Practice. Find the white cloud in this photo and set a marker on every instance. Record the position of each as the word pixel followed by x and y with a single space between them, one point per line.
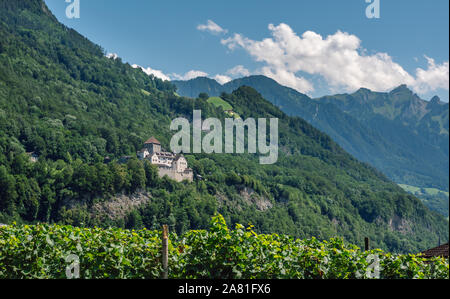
pixel 222 79
pixel 160 74
pixel 338 58
pixel 239 70
pixel 212 27
pixel 112 56
pixel 289 79
pixel 149 71
pixel 434 77
pixel 190 75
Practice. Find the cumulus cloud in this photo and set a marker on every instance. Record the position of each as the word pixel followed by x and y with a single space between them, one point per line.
pixel 190 75
pixel 212 27
pixel 288 79
pixel 434 77
pixel 222 79
pixel 112 56
pixel 239 70
pixel 338 58
pixel 149 71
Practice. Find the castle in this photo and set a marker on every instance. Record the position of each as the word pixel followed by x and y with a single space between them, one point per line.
pixel 173 165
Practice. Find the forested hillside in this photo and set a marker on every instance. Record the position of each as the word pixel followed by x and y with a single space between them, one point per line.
pixel 62 99
pixel 403 118
pixel 398 133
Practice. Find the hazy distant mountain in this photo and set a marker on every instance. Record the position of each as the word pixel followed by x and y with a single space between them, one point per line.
pixel 402 135
pixel 400 107
pixel 418 128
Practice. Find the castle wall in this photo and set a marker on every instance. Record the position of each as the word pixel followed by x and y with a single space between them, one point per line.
pixel 175 167
pixel 153 148
pixel 173 174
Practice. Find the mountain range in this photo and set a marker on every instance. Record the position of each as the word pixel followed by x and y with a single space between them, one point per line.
pixel 77 113
pixel 400 134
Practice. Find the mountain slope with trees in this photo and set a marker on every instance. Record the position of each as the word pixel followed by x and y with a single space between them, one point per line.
pixel 400 134
pixel 401 117
pixel 62 99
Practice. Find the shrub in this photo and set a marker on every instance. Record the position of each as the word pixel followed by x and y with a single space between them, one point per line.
pixel 41 251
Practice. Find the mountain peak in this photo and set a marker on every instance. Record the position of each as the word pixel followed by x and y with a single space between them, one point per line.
pixel 259 79
pixel 435 100
pixel 402 89
pixel 202 78
pixel 363 90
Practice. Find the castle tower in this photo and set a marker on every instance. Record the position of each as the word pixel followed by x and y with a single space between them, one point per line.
pixel 153 145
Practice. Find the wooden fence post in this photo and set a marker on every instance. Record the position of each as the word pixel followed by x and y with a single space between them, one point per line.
pixel 165 252
pixel 366 244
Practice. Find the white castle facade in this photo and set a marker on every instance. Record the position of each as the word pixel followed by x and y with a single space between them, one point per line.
pixel 175 166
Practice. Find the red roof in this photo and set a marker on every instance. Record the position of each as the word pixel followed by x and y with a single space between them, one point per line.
pixel 437 251
pixel 152 140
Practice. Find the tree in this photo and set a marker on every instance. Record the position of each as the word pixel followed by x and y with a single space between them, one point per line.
pixel 20 164
pixel 47 200
pixel 137 175
pixel 119 177
pixel 134 221
pixel 8 193
pixel 203 96
pixel 151 174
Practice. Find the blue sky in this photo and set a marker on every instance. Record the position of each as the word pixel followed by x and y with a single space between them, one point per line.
pixel 317 47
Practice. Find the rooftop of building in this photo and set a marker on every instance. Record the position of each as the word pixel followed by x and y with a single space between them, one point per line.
pixel 441 251
pixel 152 140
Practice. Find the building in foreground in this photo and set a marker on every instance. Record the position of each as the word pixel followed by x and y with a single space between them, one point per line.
pixel 440 251
pixel 175 166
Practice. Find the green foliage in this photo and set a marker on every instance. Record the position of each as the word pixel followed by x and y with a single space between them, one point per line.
pixel 437 200
pixel 41 251
pixel 219 102
pixel 61 98
pixel 204 96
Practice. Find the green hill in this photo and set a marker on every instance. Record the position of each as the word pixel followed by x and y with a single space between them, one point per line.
pixel 435 199
pixel 219 102
pixel 62 99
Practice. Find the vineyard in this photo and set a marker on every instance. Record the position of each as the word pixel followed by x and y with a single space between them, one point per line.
pixel 53 251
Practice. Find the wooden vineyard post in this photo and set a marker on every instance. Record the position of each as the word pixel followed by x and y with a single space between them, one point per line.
pixel 165 252
pixel 366 244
